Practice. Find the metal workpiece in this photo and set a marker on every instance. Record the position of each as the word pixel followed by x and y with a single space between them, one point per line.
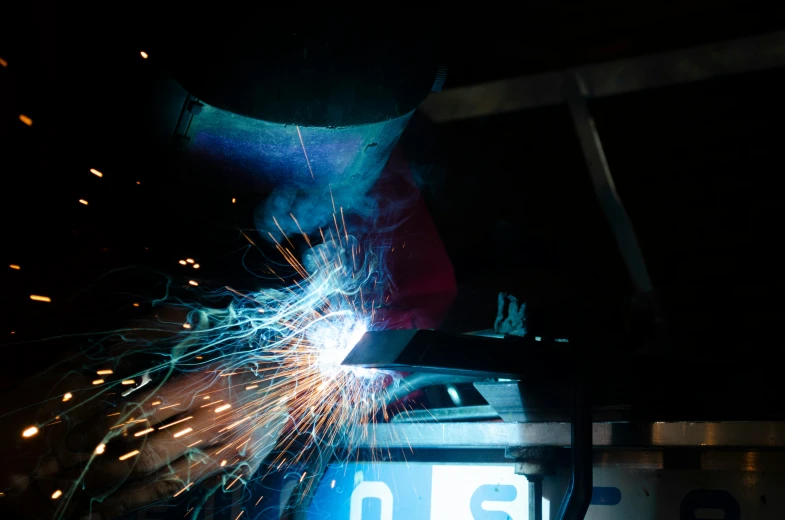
pixel 430 351
pixel 458 413
pixel 498 435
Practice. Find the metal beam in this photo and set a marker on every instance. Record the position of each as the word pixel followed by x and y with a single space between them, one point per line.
pixel 610 78
pixel 738 434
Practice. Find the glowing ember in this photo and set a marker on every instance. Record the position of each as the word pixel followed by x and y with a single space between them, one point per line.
pixel 183 432
pixel 129 455
pixel 26 120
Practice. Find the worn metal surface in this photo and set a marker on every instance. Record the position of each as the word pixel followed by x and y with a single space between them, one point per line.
pixel 741 434
pixel 459 413
pixel 611 78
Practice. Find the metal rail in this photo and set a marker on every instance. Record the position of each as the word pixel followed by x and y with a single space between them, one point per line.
pixel 737 434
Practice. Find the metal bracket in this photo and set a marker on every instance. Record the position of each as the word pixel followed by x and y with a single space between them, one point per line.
pixel 191 108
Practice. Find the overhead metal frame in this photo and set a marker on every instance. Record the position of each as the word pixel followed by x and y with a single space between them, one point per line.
pixel 762 52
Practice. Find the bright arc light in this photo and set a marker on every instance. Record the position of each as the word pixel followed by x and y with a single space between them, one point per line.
pixel 335 346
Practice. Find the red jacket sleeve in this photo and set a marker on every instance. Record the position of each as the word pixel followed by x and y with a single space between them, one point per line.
pixel 423 280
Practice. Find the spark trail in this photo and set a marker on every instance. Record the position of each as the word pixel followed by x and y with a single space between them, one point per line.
pixel 278 353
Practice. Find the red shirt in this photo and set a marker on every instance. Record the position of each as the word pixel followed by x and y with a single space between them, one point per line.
pixel 423 278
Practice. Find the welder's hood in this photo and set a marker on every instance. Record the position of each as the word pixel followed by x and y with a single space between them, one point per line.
pixel 309 70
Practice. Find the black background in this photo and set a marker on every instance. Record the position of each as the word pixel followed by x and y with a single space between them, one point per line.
pixel 697 166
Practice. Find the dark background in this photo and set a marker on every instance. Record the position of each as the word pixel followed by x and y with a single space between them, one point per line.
pixel 697 166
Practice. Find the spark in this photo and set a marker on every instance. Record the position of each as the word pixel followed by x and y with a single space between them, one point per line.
pixel 186 325
pixel 176 422
pixel 98 382
pixel 196 266
pixel 191 282
pixel 26 120
pixel 30 431
pixel 136 305
pixel 100 449
pixel 96 172
pixel 139 183
pixel 82 201
pixel 14 266
pixel 304 152
pixel 129 455
pixel 182 490
pixel 223 463
pixel 332 484
pixel 105 372
pixel 67 396
pixel 144 55
pixel 292 339
pixel 128 382
pixel 189 260
pixel 260 499
pixel 3 63
pixel 241 512
pixel 234 200
pixel 57 494
pixel 37 298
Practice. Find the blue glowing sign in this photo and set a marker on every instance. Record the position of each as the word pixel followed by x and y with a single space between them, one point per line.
pixel 421 492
